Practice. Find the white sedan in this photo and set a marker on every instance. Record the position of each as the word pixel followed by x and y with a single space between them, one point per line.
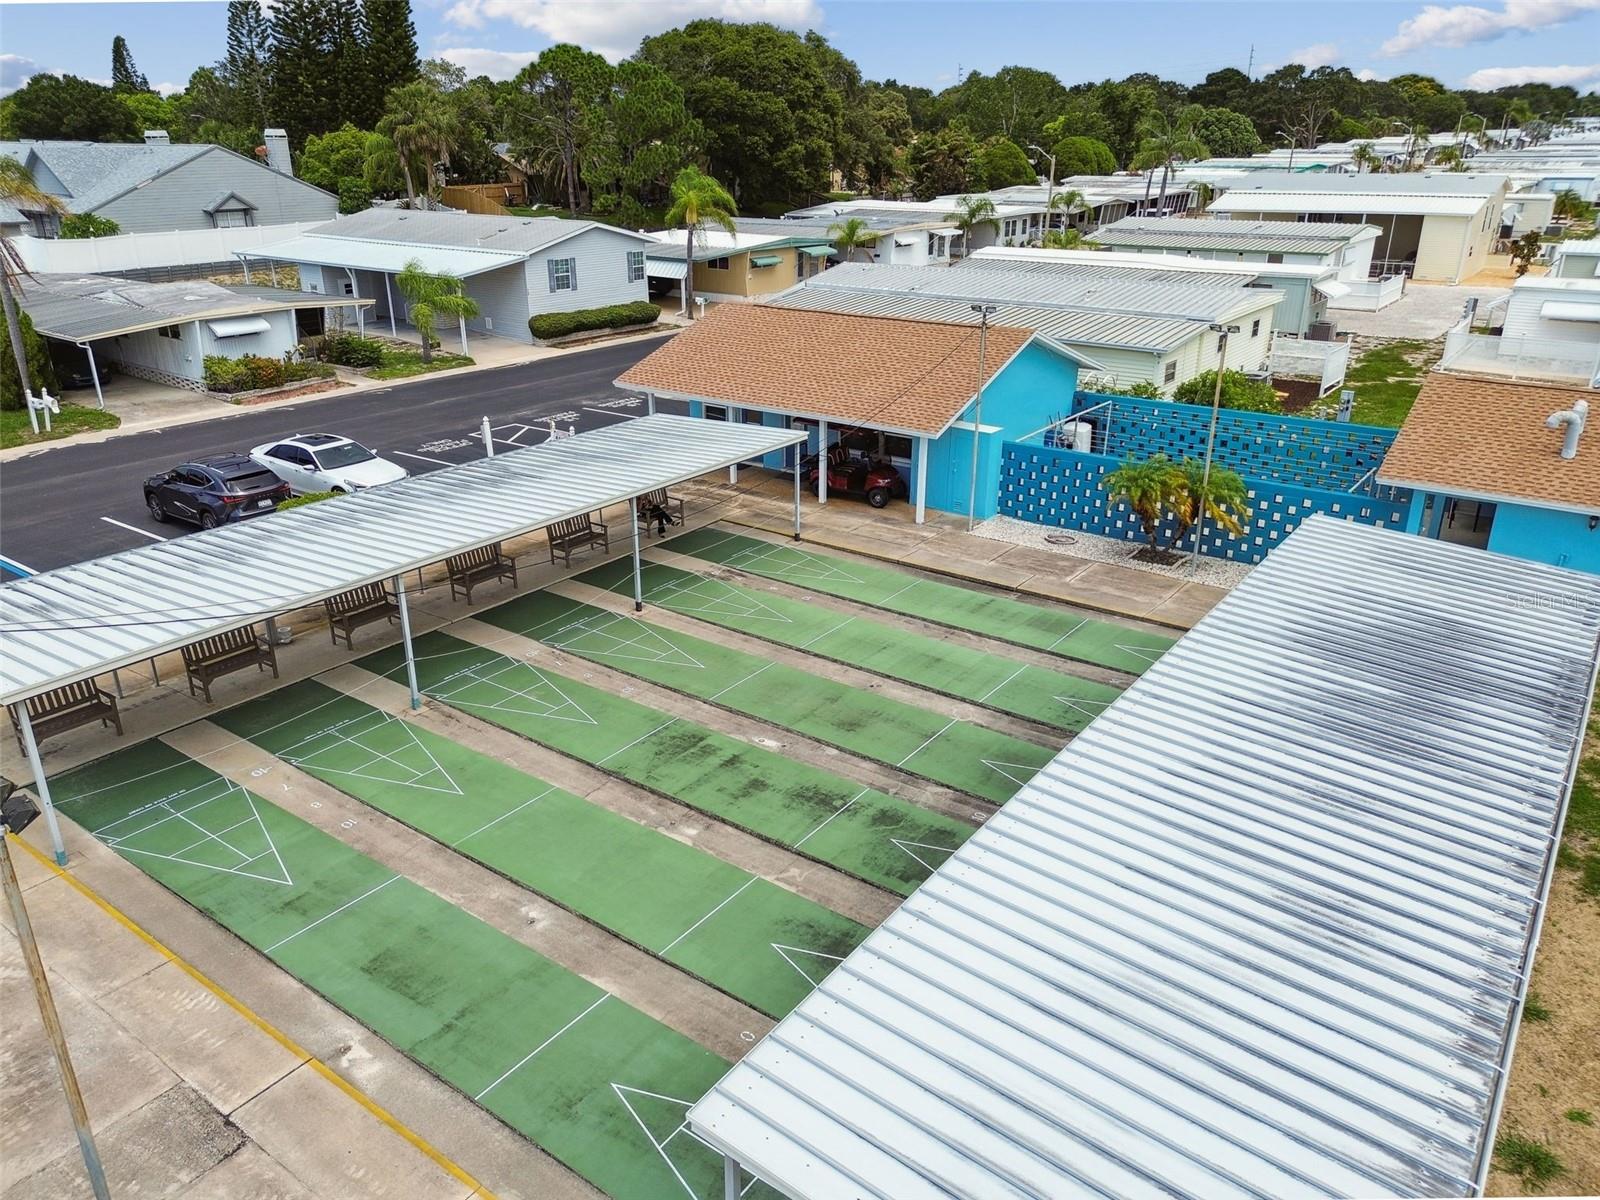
pixel 325 462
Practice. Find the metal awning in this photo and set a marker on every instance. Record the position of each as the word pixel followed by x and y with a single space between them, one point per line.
pixel 358 254
pixel 765 260
pixel 87 619
pixel 816 251
pixel 666 268
pixel 1331 288
pixel 1263 929
pixel 904 241
pixel 1569 310
pixel 239 326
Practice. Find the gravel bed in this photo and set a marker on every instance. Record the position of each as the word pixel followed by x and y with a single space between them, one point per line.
pixel 1214 571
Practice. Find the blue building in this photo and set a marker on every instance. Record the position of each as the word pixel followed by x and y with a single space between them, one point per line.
pixel 1488 470
pixel 906 391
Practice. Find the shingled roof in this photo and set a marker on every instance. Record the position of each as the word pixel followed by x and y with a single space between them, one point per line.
pixel 1486 439
pixel 910 376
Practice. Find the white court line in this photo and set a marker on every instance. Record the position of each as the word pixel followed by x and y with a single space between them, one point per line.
pixel 737 682
pixel 604 997
pixel 513 812
pixel 803 645
pixel 334 913
pixel 443 462
pixel 154 537
pixel 897 591
pixel 1067 634
pixel 926 744
pixel 1002 683
pixel 831 816
pixel 600 762
pixel 708 916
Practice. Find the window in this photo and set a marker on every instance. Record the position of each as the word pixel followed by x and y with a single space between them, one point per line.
pixel 1274 258
pixel 232 218
pixel 44 224
pixel 175 332
pixel 349 288
pixel 715 412
pixel 1170 374
pixel 896 446
pixel 635 265
pixel 752 416
pixel 563 274
pixel 717 264
pixel 1255 327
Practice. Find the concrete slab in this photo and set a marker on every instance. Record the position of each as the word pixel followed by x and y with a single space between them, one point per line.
pixel 338 1149
pixel 95 956
pixel 249 1174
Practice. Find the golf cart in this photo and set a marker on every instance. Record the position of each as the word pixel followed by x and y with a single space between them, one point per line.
pixel 858 473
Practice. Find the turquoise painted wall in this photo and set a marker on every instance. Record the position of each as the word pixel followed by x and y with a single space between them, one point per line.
pixel 1562 539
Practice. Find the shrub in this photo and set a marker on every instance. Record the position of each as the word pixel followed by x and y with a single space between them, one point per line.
pixel 41 371
pixel 305 499
pixel 614 316
pixel 251 373
pixel 348 350
pixel 1143 388
pixel 88 225
pixel 1238 391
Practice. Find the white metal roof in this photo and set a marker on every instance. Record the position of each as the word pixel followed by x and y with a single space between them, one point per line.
pixel 1262 930
pixel 361 254
pixel 1178 266
pixel 91 617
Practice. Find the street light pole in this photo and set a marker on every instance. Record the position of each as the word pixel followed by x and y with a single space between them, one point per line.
pixel 1050 187
pixel 1211 440
pixel 16 813
pixel 984 311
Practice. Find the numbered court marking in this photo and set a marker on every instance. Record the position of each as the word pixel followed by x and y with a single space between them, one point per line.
pixel 927 852
pixel 539 698
pixel 214 826
pixel 792 564
pixel 633 641
pixel 389 748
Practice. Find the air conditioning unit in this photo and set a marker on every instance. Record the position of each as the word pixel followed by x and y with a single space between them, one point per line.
pixel 1320 331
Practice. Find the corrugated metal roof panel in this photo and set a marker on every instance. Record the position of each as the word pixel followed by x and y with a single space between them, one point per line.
pixel 361 254
pixel 1273 237
pixel 86 619
pixel 1260 931
pixel 1251 200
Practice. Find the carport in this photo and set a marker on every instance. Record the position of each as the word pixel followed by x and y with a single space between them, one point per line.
pixel 79 622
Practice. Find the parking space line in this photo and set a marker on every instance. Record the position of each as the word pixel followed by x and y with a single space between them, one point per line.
pixel 154 537
pixel 443 462
pixel 606 412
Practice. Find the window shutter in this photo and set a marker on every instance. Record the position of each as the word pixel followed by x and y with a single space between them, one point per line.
pixel 572 271
pixel 550 265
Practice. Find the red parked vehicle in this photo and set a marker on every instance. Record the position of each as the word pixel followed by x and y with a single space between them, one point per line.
pixel 863 475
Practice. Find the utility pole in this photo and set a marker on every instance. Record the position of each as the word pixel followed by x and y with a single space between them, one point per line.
pixel 1211 440
pixel 16 814
pixel 1250 70
pixel 984 311
pixel 1050 189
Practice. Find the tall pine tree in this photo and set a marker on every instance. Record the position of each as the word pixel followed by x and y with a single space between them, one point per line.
pixel 125 76
pixel 245 68
pixel 389 45
pixel 300 51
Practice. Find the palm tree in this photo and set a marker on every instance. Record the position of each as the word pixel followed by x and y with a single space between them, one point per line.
pixel 1451 157
pixel 1067 202
pixel 1153 489
pixel 973 213
pixel 1365 158
pixel 1167 140
pixel 698 200
pixel 1418 141
pixel 432 296
pixel 18 189
pixel 1062 239
pixel 1573 206
pixel 851 235
pixel 1223 496
pixel 425 127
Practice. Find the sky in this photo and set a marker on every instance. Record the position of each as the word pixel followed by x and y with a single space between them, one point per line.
pixel 1487 44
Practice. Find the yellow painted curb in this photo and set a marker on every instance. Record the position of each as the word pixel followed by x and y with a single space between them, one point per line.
pixel 277 1035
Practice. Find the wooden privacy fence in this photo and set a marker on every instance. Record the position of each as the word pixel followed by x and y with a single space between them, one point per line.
pixel 487 198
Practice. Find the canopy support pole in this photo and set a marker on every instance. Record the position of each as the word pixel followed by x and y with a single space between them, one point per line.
pixel 822 462
pixel 462 322
pixel 797 458
pixel 730 1177
pixel 405 637
pixel 246 263
pixel 273 267
pixel 41 788
pixel 94 373
pixel 638 569
pixel 733 468
pixel 388 300
pixel 650 403
pixel 922 479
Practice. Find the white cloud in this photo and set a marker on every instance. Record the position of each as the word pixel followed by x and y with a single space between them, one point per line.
pixel 615 29
pixel 166 89
pixel 1461 24
pixel 496 64
pixel 16 71
pixel 1323 54
pixel 1585 79
pixel 1368 74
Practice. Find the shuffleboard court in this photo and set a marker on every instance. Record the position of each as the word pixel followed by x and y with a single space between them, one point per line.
pixel 930 744
pixel 595 1082
pixel 1054 630
pixel 867 833
pixel 1053 698
pixel 749 937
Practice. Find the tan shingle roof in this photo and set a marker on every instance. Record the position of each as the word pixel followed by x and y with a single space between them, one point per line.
pixel 907 375
pixel 1478 437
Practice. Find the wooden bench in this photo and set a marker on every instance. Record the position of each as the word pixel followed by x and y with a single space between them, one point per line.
pixel 64 708
pixel 652 506
pixel 479 566
pixel 348 611
pixel 211 658
pixel 576 533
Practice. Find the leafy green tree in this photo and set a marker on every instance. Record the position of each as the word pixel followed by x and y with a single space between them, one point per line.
pixel 354 195
pixel 302 41
pixel 1083 156
pixel 641 135
pixel 1227 134
pixel 1125 109
pixel 1365 158
pixel 1573 206
pixel 1169 139
pixel 1228 88
pixel 973 213
pixel 41 370
pixel 1062 239
pixel 1222 495
pixel 330 158
pixel 1238 391
pixel 243 73
pixel 24 362
pixel 383 171
pixel 1015 103
pixel 851 235
pixel 698 200
pixel 943 162
pixel 425 127
pixel 887 132
pixel 1003 164
pixel 1153 488
pixel 71 109
pixel 125 76
pixel 558 94
pixel 1524 250
pixel 429 297
pixel 151 111
pixel 388 56
pixel 88 225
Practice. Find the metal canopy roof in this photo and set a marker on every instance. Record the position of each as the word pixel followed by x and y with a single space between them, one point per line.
pixel 361 254
pixel 86 619
pixel 1261 930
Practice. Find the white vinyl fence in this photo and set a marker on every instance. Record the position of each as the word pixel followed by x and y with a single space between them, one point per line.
pixel 1522 357
pixel 1302 358
pixel 1369 295
pixel 149 251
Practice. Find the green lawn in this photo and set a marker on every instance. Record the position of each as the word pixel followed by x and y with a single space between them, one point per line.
pixel 402 364
pixel 1387 378
pixel 73 418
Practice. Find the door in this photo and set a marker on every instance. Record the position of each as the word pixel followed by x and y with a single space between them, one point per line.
pixel 182 493
pixel 293 464
pixel 1467 523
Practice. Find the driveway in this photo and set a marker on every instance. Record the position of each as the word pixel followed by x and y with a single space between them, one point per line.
pixel 1425 312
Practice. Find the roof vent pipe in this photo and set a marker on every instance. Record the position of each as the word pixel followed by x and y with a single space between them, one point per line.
pixel 1573 419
